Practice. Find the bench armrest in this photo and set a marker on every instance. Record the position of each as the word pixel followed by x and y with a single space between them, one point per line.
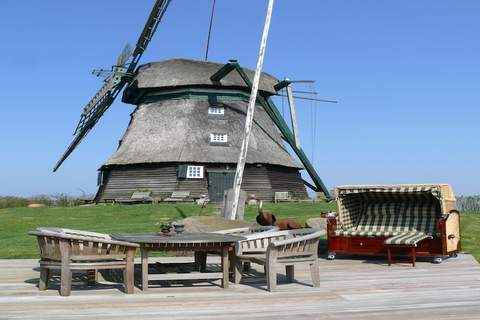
pixel 265 235
pixel 81 238
pixel 245 231
pixel 75 232
pixel 258 242
pixel 286 242
pixel 306 245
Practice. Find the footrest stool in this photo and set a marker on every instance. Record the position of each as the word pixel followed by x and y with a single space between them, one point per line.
pixel 405 240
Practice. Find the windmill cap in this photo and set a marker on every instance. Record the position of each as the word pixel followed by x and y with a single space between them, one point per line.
pixel 177 73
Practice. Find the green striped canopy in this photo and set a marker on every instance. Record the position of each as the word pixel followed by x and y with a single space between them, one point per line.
pixel 391 210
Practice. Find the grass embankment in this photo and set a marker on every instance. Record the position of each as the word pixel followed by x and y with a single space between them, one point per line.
pixel 16 222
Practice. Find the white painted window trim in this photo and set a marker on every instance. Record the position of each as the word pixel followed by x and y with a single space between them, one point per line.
pixel 194 172
pixel 218 137
pixel 216 110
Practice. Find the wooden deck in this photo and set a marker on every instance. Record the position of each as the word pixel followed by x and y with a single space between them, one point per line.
pixel 350 289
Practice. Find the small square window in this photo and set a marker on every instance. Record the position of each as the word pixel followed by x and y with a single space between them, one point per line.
pixel 216 110
pixel 194 172
pixel 218 137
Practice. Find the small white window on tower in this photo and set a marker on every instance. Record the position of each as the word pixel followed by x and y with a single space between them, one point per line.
pixel 218 137
pixel 194 172
pixel 216 110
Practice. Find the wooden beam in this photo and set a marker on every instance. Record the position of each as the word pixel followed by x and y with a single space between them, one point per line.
pixel 249 118
pixel 293 116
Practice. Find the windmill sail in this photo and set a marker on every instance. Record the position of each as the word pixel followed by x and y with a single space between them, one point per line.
pixel 104 98
pixel 103 106
pixel 125 55
pixel 147 34
pixel 92 107
pixel 91 114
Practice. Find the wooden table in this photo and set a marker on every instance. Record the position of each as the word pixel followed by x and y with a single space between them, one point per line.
pixel 199 243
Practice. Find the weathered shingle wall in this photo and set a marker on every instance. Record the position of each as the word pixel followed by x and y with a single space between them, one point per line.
pixel 161 179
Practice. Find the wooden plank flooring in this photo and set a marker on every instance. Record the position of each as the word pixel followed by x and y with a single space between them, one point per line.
pixel 350 289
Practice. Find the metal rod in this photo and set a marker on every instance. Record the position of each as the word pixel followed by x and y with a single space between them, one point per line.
pixel 210 30
pixel 302 81
pixel 308 98
pixel 307 92
pixel 249 118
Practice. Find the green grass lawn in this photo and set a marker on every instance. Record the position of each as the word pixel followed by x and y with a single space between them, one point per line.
pixel 16 222
pixel 470 228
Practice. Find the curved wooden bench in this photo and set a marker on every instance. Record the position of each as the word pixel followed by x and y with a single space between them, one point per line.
pixel 279 248
pixel 70 250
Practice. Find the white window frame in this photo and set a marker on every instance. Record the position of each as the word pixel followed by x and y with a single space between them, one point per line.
pixel 194 172
pixel 216 110
pixel 218 137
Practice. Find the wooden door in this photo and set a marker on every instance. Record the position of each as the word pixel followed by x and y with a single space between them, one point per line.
pixel 218 182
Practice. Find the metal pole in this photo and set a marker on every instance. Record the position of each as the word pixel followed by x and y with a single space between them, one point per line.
pixel 293 116
pixel 310 99
pixel 249 118
pixel 302 81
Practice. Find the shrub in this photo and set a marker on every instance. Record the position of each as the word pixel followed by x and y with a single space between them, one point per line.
pixel 42 198
pixel 468 203
pixel 11 202
pixel 64 200
pixel 57 200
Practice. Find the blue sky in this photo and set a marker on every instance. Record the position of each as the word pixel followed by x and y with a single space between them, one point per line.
pixel 406 74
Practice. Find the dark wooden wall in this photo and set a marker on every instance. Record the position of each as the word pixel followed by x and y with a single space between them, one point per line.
pixel 161 180
pixel 264 181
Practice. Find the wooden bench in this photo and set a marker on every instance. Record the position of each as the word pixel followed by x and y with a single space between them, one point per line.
pixel 179 196
pixel 70 250
pixel 272 248
pixel 137 197
pixel 282 196
pixel 201 257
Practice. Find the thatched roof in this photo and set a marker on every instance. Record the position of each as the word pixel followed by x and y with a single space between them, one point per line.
pixel 178 130
pixel 184 72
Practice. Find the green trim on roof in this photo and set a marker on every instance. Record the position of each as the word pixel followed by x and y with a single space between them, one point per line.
pixel 193 93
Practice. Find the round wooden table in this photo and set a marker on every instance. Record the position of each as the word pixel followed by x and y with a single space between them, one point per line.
pixel 199 243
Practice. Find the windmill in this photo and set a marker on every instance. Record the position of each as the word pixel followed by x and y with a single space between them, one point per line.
pixel 116 79
pixel 185 133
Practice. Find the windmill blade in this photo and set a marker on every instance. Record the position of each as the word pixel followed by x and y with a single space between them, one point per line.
pixel 125 55
pixel 92 112
pixel 93 104
pixel 102 73
pixel 150 27
pixel 104 98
